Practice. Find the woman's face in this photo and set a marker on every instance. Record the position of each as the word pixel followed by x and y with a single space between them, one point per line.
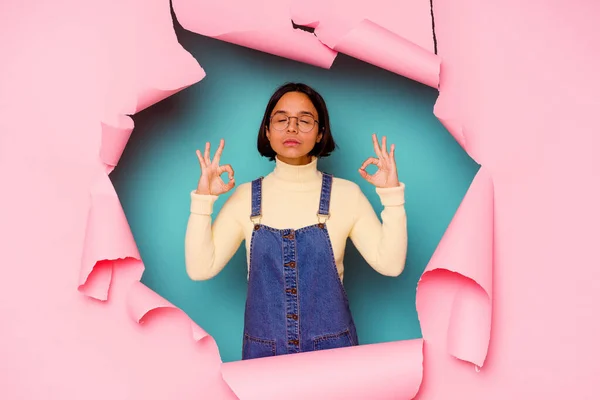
pixel 294 128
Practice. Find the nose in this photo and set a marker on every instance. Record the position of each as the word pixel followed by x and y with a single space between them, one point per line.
pixel 292 125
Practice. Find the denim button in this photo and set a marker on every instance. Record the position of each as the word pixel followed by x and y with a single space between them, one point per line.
pixel 295 342
pixel 291 264
pixel 256 227
pixel 293 316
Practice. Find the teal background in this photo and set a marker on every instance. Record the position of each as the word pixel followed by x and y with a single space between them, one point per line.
pixel 159 169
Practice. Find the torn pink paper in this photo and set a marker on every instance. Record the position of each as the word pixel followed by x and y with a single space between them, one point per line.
pixel 61 221
pixel 141 301
pixel 138 81
pixel 107 237
pixel 335 18
pixel 467 250
pixel 114 140
pixel 163 88
pixel 265 26
pixel 156 81
pixel 141 83
pixel 396 36
pixel 99 280
pixel 454 127
pixel 376 371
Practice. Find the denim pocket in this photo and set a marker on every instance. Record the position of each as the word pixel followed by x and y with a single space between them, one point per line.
pixel 333 341
pixel 256 348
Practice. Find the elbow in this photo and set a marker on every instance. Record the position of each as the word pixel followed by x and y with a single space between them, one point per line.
pixel 197 266
pixel 195 271
pixel 399 260
pixel 394 267
pixel 199 275
pixel 396 270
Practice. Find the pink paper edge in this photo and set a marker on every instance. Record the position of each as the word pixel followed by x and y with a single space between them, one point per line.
pixel 169 92
pixel 431 272
pixel 230 371
pixel 139 312
pixel 345 45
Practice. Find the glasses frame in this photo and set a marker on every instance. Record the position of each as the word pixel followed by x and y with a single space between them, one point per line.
pixel 289 118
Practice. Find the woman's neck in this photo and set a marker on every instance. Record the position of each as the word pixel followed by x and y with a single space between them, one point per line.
pixel 307 159
pixel 296 176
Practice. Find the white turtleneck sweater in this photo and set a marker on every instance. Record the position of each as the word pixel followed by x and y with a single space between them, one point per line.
pixel 290 200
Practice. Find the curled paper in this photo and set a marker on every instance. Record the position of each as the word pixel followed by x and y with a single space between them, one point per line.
pixel 466 250
pixel 114 140
pixel 137 81
pixel 400 42
pixel 376 371
pixel 454 127
pixel 156 81
pixel 141 301
pixel 396 36
pixel 162 87
pixel 376 45
pixel 107 238
pixel 266 27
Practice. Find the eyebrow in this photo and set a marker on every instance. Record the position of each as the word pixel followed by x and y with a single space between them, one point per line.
pixel 301 113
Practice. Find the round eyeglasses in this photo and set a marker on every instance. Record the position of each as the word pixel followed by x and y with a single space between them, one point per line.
pixel 281 122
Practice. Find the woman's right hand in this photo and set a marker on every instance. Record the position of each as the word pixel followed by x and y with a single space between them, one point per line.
pixel 210 182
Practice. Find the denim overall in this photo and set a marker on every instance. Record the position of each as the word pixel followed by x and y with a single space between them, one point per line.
pixel 296 301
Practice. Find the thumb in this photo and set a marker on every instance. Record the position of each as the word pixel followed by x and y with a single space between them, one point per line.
pixel 365 175
pixel 230 184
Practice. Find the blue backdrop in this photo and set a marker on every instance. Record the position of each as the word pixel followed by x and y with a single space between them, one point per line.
pixel 159 169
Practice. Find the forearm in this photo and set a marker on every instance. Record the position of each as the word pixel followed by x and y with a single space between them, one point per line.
pixel 382 244
pixel 208 246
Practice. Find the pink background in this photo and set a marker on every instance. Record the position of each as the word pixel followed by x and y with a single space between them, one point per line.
pixel 518 89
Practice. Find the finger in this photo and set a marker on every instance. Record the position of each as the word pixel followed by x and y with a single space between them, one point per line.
pixel 217 158
pixel 376 146
pixel 201 159
pixel 365 175
pixel 393 154
pixel 384 151
pixel 369 161
pixel 226 168
pixel 207 153
pixel 230 184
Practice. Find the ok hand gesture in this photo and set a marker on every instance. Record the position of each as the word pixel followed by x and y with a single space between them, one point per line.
pixel 210 181
pixel 386 175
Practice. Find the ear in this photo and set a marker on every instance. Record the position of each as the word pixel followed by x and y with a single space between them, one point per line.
pixel 268 134
pixel 319 137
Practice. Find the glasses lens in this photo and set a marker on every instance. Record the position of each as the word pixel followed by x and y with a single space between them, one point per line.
pixel 279 121
pixel 306 123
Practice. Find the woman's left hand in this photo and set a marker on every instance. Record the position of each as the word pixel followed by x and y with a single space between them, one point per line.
pixel 386 175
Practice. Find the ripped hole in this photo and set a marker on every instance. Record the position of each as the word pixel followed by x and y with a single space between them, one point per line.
pixel 159 169
pixel 303 28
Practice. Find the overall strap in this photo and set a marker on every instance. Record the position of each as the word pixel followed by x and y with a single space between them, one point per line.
pixel 325 195
pixel 256 198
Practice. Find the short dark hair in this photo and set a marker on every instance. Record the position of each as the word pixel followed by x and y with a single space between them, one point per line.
pixel 322 149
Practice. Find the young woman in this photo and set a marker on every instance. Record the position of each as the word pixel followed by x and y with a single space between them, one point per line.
pixel 295 222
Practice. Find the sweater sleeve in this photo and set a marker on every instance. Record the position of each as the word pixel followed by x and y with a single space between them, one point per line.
pixel 384 244
pixel 209 247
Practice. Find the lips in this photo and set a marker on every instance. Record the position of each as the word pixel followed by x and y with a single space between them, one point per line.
pixel 291 142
